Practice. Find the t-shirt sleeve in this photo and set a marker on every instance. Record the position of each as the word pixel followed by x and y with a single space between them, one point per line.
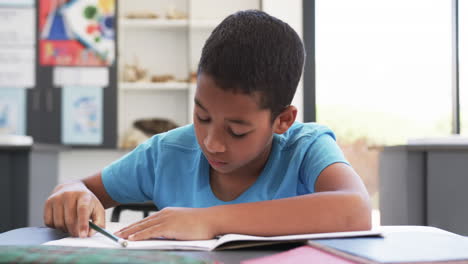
pixel 323 152
pixel 131 178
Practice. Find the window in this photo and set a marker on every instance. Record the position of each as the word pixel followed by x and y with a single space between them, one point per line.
pixel 383 75
pixel 463 64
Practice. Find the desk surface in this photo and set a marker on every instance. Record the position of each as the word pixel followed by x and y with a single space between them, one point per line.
pixel 398 244
pixel 38 235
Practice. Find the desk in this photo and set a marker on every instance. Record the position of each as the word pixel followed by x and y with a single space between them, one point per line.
pixel 398 244
pixel 424 183
pixel 39 235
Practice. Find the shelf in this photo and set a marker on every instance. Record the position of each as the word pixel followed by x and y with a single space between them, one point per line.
pixel 153 23
pixel 204 23
pixel 168 24
pixel 150 86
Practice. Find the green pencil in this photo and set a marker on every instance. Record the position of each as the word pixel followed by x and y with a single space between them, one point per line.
pixel 108 234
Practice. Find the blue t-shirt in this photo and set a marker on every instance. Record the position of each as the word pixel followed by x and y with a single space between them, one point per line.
pixel 171 170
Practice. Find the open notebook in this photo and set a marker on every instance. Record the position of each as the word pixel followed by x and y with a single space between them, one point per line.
pixel 229 241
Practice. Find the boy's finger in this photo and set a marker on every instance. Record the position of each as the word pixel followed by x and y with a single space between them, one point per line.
pixel 70 217
pixel 83 212
pixel 99 218
pixel 147 233
pixel 132 226
pixel 149 218
pixel 138 228
pixel 59 221
pixel 128 227
pixel 48 215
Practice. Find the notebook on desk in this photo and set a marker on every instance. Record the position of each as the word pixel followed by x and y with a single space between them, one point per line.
pixel 400 244
pixel 229 241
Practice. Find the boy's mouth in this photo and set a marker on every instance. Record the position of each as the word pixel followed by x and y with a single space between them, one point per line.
pixel 217 163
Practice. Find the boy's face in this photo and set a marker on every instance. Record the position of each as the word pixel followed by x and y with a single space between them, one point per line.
pixel 233 132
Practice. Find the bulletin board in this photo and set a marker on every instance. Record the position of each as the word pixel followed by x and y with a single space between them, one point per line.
pixel 74 102
pixel 17 62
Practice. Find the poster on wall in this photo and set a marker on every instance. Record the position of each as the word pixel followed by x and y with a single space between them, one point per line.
pixel 77 32
pixel 17 27
pixel 82 115
pixel 17 42
pixel 16 3
pixel 12 111
pixel 80 76
pixel 17 67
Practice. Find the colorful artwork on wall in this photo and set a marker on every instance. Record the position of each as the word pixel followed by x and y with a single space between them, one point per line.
pixel 77 32
pixel 82 115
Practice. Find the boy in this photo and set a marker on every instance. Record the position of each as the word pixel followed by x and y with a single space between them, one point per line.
pixel 244 165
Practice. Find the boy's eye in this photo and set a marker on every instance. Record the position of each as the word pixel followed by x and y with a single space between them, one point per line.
pixel 237 135
pixel 232 133
pixel 203 120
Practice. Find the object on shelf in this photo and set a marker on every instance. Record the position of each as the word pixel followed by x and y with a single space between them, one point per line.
pixel 154 126
pixel 154 86
pixel 193 77
pixel 142 15
pixel 145 128
pixel 133 72
pixel 174 13
pixel 183 80
pixel 162 78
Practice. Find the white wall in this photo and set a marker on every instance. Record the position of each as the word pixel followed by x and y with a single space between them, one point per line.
pixel 291 13
pixel 77 164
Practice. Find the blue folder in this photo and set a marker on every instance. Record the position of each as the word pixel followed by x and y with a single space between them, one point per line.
pixel 402 245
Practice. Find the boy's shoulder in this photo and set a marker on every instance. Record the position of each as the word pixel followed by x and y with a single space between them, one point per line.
pixel 181 137
pixel 300 132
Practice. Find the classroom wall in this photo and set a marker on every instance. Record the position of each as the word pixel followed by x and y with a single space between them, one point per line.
pixel 77 164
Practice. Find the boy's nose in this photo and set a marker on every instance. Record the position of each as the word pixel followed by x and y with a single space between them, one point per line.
pixel 214 143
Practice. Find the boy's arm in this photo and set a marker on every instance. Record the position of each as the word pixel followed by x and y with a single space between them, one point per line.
pixel 341 203
pixel 71 205
pixel 95 185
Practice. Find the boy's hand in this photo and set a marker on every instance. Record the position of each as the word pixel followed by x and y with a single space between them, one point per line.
pixel 69 208
pixel 172 223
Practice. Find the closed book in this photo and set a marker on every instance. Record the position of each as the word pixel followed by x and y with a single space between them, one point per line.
pixel 301 255
pixel 400 244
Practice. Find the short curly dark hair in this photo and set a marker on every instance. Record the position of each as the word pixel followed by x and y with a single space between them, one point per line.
pixel 251 51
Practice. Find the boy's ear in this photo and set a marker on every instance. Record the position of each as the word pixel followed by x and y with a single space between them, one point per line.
pixel 285 120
